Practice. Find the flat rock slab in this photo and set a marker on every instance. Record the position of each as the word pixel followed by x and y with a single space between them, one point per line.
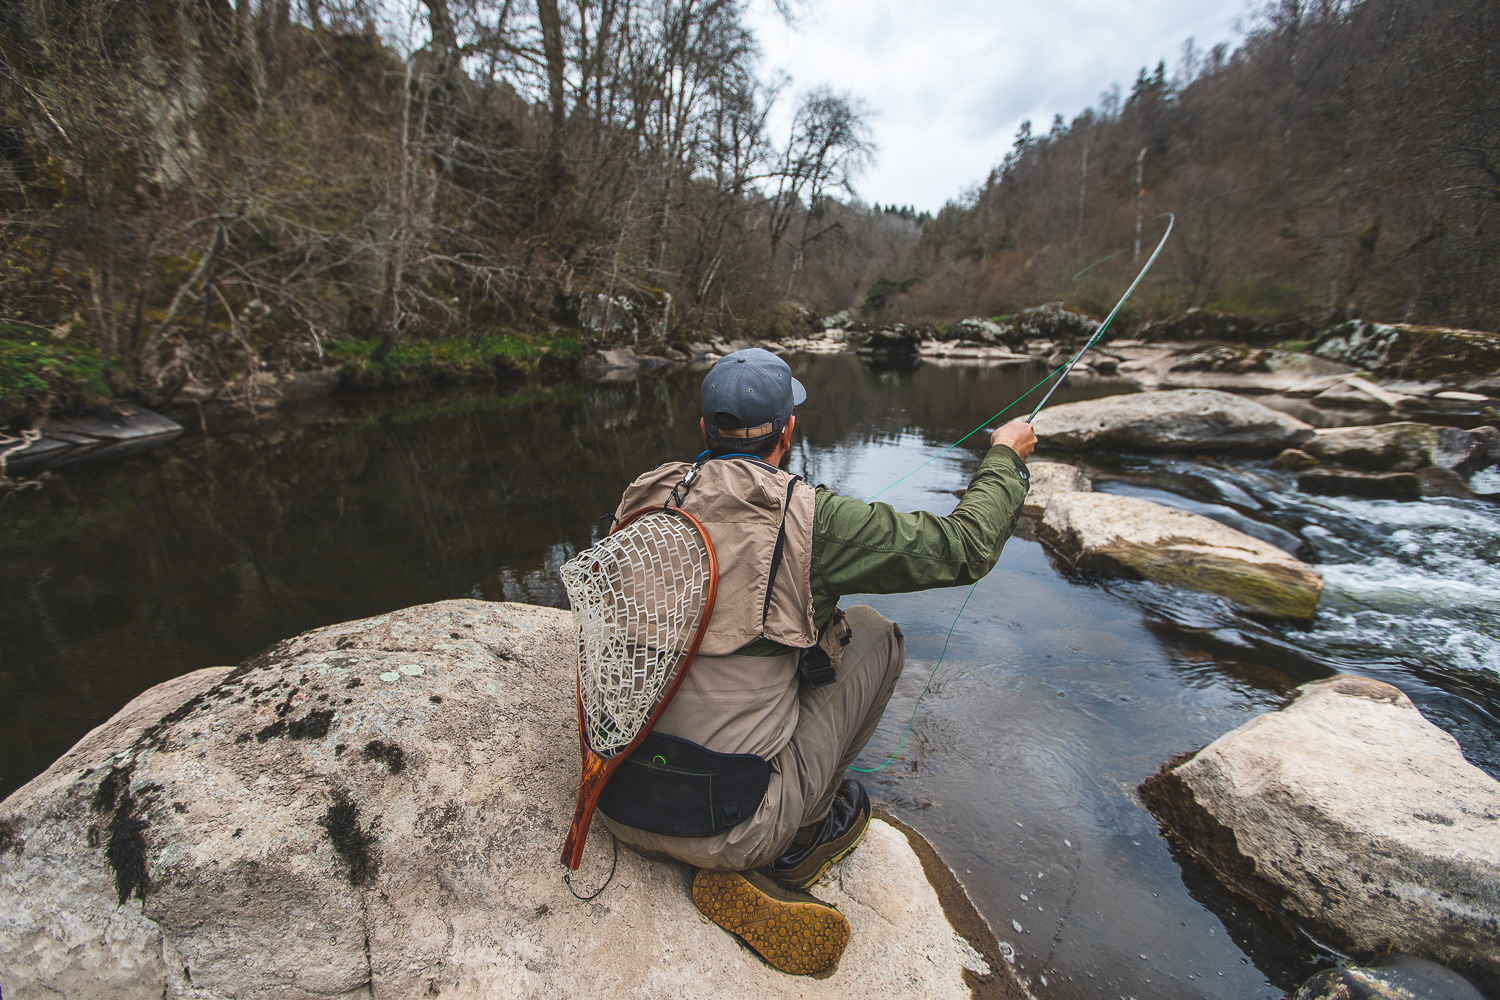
pixel 1104 532
pixel 1354 815
pixel 1199 420
pixel 377 808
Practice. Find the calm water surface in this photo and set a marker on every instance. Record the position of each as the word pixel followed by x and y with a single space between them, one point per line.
pixel 1059 693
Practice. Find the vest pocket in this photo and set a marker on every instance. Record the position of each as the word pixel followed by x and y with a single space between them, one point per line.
pixel 676 788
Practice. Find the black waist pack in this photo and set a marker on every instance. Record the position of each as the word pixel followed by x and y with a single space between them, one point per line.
pixel 676 788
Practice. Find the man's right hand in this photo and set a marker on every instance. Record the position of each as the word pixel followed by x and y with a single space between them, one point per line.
pixel 1017 436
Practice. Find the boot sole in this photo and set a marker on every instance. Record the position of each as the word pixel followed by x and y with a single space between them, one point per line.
pixel 806 883
pixel 802 939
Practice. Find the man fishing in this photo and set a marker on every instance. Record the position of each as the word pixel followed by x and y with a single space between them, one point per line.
pixel 743 775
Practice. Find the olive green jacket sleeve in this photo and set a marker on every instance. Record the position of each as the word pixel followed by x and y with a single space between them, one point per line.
pixel 870 548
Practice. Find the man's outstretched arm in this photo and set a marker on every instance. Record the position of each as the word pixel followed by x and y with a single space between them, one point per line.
pixel 870 548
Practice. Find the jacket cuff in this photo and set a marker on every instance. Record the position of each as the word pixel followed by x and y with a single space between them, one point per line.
pixel 1002 459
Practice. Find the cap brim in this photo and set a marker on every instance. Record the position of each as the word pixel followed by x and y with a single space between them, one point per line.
pixel 799 394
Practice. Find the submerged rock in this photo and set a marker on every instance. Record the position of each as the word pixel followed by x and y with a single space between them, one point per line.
pixel 1389 977
pixel 1101 531
pixel 1354 816
pixel 1202 420
pixel 1048 479
pixel 1370 485
pixel 377 808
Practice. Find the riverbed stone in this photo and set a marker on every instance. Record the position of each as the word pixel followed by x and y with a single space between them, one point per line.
pixel 1117 534
pixel 1294 459
pixel 1402 447
pixel 1198 420
pixel 1350 813
pixel 1369 485
pixel 377 808
pixel 1047 480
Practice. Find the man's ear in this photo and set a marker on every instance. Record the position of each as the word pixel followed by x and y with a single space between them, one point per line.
pixel 703 427
pixel 786 432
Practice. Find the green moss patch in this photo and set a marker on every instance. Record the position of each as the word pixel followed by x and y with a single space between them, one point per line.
pixel 39 374
pixel 453 361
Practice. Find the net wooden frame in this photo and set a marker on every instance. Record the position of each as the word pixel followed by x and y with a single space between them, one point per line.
pixel 642 598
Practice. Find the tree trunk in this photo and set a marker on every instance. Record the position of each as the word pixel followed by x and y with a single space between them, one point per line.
pixel 552 47
pixel 440 23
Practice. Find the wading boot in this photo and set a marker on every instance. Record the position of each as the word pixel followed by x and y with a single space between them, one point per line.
pixel 793 931
pixel 821 844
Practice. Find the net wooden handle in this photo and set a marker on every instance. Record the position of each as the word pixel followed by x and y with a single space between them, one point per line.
pixel 596 772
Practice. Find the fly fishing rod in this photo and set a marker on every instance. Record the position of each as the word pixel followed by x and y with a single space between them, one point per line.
pixel 1064 370
pixel 1171 220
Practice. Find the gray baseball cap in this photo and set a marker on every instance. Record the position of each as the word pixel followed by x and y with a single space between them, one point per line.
pixel 756 388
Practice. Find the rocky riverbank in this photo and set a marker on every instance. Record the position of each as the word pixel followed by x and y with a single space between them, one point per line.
pixel 1356 372
pixel 377 808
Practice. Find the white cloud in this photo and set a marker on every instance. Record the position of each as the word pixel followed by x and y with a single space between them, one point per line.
pixel 949 81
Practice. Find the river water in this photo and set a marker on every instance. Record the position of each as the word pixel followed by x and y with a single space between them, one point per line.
pixel 1058 695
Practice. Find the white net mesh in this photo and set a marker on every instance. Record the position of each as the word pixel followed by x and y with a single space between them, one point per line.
pixel 637 598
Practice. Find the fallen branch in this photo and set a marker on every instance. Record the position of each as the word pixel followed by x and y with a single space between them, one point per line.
pixel 9 446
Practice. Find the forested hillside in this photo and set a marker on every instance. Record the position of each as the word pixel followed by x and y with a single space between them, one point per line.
pixel 195 190
pixel 192 189
pixel 1345 160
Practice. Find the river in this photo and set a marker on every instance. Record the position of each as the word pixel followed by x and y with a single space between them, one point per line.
pixel 1058 695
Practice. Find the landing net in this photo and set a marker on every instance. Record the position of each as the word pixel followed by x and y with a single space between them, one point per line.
pixel 638 596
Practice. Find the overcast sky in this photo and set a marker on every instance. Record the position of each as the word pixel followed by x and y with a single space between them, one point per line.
pixel 949 81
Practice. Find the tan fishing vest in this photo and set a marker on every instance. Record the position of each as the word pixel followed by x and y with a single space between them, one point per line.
pixel 744 505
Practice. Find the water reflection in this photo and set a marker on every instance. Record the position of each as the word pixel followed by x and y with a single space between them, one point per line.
pixel 1060 692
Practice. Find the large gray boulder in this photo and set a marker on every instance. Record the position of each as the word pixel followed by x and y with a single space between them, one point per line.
pixel 1354 816
pixel 1200 420
pixel 377 809
pixel 1115 534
